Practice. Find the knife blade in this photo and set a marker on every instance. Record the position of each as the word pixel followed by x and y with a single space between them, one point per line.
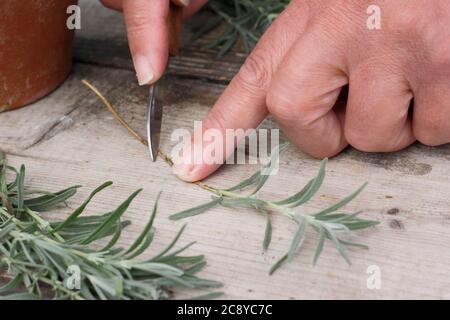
pixel 156 100
pixel 154 121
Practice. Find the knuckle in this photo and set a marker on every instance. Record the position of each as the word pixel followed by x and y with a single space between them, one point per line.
pixel 427 139
pixel 440 56
pixel 430 125
pixel 426 134
pixel 365 140
pixel 279 105
pixel 353 137
pixel 302 108
pixel 255 74
pixel 282 112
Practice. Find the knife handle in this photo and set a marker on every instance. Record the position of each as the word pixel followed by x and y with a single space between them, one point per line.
pixel 175 22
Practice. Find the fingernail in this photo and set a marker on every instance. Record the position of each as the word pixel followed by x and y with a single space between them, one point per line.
pixel 185 167
pixel 144 71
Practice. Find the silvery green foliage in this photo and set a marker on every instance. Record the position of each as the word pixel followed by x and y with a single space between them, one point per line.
pixel 329 223
pixel 242 19
pixel 36 255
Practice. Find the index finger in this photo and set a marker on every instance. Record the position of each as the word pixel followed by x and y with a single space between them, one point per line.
pixel 243 103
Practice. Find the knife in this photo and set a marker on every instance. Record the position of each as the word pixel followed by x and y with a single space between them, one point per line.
pixel 156 92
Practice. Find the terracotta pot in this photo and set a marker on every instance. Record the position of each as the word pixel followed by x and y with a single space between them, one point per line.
pixel 35 49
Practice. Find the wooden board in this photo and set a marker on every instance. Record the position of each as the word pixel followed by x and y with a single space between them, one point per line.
pixel 70 138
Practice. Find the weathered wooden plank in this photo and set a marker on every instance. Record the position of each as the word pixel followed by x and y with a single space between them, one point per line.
pixel 410 246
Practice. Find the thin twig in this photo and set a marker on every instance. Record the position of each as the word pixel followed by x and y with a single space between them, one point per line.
pixel 117 116
pixel 114 112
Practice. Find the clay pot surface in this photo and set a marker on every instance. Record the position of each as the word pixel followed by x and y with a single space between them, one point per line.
pixel 35 49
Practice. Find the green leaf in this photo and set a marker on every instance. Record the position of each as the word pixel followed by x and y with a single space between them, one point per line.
pixel 143 246
pixel 296 197
pixel 196 210
pixel 352 244
pixel 3 166
pixel 6 203
pixel 314 187
pixel 268 168
pixel 13 184
pixel 278 264
pixel 320 246
pixel 12 284
pixel 232 202
pixel 246 183
pixel 48 202
pixel 337 244
pixel 74 238
pixel 173 255
pixel 45 197
pixel 209 296
pixel 331 217
pixel 115 237
pixel 83 221
pixel 173 259
pixel 6 230
pixel 267 234
pixel 159 269
pixel 35 254
pixel 195 282
pixel 196 268
pixel 115 216
pixel 342 202
pixel 172 244
pixel 26 253
pixel 20 189
pixel 228 44
pixel 81 208
pixel 361 224
pixel 146 230
pixel 297 241
pixel 20 296
pixel 109 286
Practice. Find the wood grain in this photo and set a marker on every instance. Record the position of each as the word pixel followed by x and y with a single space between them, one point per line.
pixel 70 138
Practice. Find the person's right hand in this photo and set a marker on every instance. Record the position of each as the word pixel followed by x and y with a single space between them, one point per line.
pixel 147 33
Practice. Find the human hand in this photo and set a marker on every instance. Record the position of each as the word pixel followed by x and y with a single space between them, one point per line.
pixel 147 33
pixel 316 47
